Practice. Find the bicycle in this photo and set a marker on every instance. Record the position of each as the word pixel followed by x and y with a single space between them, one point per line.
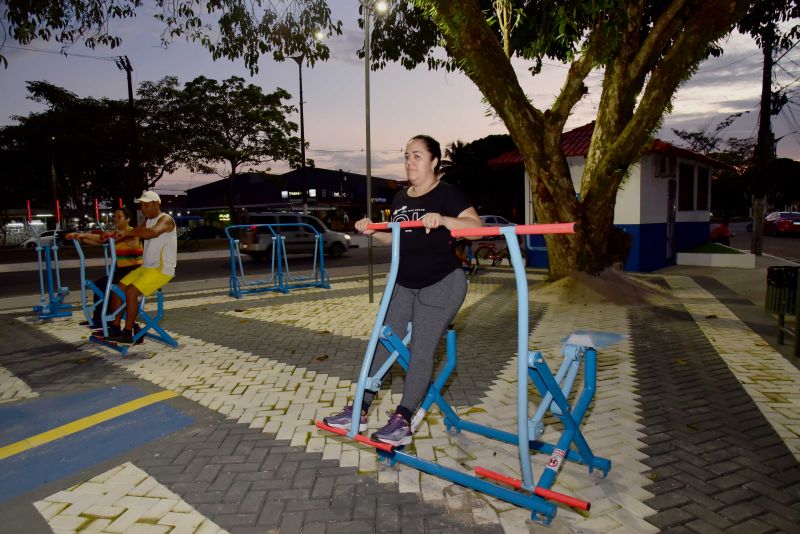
pixel 489 252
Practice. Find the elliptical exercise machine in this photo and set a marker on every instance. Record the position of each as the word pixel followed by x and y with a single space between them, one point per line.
pixel 53 306
pixel 151 322
pixel 579 350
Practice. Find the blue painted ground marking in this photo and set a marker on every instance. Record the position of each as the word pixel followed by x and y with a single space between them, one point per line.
pixel 29 470
pixel 34 416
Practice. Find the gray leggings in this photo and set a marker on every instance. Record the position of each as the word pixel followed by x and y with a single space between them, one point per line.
pixel 430 310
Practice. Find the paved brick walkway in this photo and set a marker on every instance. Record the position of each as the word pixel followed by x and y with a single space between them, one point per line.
pixel 698 415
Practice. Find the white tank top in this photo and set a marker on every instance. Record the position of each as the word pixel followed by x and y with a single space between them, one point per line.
pixel 161 252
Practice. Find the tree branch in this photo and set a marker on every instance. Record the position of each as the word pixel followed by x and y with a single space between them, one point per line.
pixel 574 88
pixel 710 22
pixel 479 54
pixel 657 40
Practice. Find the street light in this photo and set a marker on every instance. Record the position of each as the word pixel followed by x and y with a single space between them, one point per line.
pixel 379 7
pixel 299 60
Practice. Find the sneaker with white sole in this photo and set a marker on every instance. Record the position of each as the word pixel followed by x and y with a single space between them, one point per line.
pixel 397 431
pixel 344 418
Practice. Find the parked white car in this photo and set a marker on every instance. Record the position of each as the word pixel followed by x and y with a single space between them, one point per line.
pixel 45 238
pixel 495 220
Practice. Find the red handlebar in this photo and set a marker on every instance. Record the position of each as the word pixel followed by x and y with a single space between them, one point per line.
pixel 105 236
pixel 521 229
pixel 486 231
pixel 403 224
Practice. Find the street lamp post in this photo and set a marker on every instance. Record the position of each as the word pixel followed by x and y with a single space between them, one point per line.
pixel 299 60
pixel 380 7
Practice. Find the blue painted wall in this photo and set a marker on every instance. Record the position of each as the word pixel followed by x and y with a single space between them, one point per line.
pixel 648 244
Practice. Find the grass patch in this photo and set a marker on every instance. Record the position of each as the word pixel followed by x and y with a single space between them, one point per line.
pixel 713 248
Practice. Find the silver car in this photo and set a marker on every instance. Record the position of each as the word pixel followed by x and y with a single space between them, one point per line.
pixel 257 241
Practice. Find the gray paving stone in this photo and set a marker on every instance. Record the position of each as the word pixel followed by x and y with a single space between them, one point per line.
pixel 272 513
pixel 701 527
pixel 355 526
pixel 751 526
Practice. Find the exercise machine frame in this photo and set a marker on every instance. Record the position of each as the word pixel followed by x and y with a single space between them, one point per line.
pixel 580 349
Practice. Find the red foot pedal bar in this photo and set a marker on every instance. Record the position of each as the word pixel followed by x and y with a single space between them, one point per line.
pixel 541 492
pixel 361 439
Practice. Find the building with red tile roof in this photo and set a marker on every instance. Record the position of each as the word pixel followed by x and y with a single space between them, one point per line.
pixel 663 203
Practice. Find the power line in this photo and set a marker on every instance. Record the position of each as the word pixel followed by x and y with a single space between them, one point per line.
pixel 343 150
pixel 60 53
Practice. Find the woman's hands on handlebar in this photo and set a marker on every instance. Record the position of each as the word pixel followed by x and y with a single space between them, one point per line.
pixel 361 226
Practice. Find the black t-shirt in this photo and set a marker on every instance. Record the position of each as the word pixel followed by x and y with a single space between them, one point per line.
pixel 427 258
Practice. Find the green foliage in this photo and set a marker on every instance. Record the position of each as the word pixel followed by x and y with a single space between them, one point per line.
pixel 88 140
pixel 84 139
pixel 235 123
pixel 763 18
pixel 66 21
pixel 245 29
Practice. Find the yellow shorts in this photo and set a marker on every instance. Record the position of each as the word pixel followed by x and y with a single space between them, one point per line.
pixel 146 279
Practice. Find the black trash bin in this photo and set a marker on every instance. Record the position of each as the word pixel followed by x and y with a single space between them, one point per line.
pixel 782 297
pixel 781 289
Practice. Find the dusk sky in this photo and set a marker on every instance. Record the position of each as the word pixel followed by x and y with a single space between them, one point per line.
pixel 404 103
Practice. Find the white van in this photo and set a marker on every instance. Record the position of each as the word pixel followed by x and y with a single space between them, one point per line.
pixel 257 241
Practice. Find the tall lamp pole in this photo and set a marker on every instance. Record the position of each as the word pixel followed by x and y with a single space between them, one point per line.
pixel 299 60
pixel 380 7
pixel 367 10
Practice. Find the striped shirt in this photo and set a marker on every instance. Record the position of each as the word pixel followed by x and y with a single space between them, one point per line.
pixel 129 251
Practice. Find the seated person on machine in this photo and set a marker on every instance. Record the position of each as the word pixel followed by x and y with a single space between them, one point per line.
pixel 160 256
pixel 129 257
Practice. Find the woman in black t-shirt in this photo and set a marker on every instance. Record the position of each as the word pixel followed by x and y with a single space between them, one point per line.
pixel 430 283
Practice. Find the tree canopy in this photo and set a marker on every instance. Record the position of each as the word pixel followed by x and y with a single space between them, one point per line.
pixel 231 123
pixel 246 30
pixel 77 149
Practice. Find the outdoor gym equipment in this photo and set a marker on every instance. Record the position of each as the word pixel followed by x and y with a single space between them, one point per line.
pixel 54 305
pixel 279 277
pixel 151 322
pixel 580 349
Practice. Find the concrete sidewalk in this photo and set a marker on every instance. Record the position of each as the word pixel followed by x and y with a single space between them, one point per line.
pixel 699 415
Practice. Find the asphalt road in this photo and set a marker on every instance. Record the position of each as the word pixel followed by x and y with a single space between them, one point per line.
pixel 787 248
pixel 26 282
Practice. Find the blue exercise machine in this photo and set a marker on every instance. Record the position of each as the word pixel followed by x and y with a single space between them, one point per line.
pixel 279 277
pixel 580 349
pixel 151 322
pixel 53 306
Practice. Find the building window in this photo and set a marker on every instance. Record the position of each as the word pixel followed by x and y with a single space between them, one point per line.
pixel 702 188
pixel 685 187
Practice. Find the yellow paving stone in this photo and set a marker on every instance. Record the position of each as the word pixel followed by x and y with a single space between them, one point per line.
pixel 192 520
pixel 95 526
pixel 349 458
pixel 159 509
pixel 12 388
pixel 103 511
pixel 68 523
pixel 125 521
pixel 332 450
pixel 50 509
pixel 408 480
pixel 146 528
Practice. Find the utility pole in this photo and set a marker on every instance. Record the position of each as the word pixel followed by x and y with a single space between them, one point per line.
pixel 304 184
pixel 765 145
pixel 136 182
